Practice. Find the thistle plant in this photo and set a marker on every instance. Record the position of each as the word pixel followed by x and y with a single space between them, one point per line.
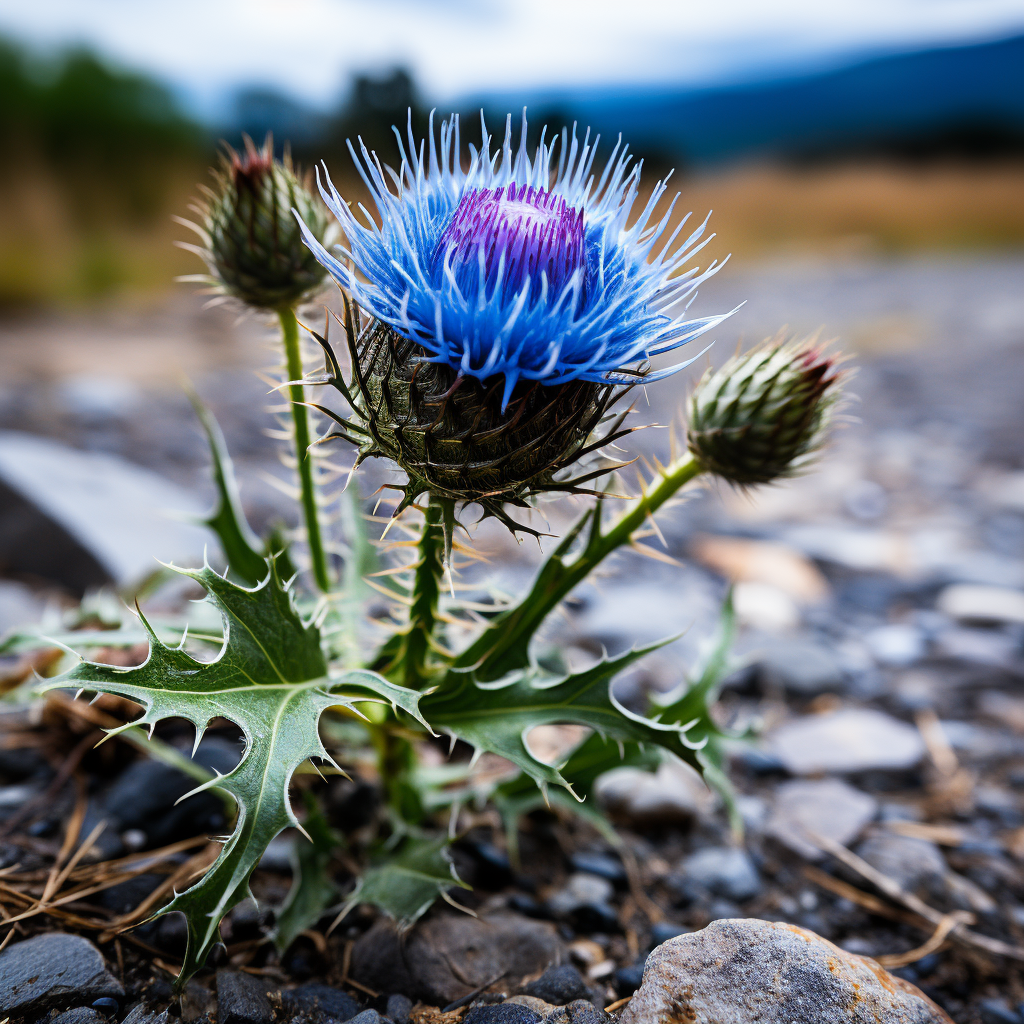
pixel 494 313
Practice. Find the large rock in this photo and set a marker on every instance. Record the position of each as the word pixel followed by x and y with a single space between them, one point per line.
pixel 804 809
pixel 446 957
pixel 848 740
pixel 84 519
pixel 53 971
pixel 741 971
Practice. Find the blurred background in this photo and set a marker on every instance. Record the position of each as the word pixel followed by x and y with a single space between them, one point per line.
pixel 864 162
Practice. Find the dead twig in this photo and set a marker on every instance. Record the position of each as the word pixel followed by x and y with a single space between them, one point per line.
pixel 895 891
pixel 942 930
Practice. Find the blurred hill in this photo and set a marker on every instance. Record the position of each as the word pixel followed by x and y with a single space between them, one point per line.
pixel 954 101
pixel 899 152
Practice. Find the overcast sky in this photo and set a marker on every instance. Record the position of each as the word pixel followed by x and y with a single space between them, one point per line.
pixel 455 48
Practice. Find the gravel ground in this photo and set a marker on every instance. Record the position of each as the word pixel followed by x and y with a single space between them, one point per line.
pixel 880 658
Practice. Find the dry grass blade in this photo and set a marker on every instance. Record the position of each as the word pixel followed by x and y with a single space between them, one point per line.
pixel 895 892
pixel 939 936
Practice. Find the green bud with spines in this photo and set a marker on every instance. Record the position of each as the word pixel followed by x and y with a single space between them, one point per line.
pixel 251 241
pixel 765 413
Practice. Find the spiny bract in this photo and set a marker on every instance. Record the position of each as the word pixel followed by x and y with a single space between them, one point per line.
pixel 764 414
pixel 251 243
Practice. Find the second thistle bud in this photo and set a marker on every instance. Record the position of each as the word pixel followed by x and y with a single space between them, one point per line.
pixel 253 245
pixel 765 413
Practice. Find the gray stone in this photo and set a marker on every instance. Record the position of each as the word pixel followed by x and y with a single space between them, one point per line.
pixel 399 1007
pixel 53 969
pixel 801 667
pixel 84 519
pixel 80 1015
pixel 331 1001
pixel 898 644
pixel 370 1016
pixel 724 871
pixel 739 971
pixel 448 956
pixel 242 999
pixel 143 1015
pixel 848 740
pixel 580 890
pixel 916 864
pixel 674 794
pixel 969 602
pixel 558 985
pixel 502 1013
pixel 826 807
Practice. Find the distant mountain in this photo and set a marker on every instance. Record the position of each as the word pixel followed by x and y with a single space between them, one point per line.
pixel 967 98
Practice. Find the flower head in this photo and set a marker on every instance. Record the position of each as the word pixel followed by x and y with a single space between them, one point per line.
pixel 518 267
pixel 251 244
pixel 765 413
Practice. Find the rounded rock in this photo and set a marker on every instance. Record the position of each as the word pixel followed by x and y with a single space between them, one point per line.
pixel 737 971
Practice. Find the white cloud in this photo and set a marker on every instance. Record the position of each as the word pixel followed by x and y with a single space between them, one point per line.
pixel 454 47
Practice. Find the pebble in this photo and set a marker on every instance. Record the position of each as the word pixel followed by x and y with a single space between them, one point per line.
pixel 539 1006
pixel 332 1001
pixel 242 999
pixel 800 667
pixel 601 864
pixel 43 972
pixel 142 1015
pixel 398 1008
pixel 80 1015
pixel 765 607
pixel 662 931
pixel 896 645
pixel 828 807
pixel 106 1004
pixel 674 794
pixel 558 985
pixel 447 956
pixel 916 864
pixel 847 740
pixel 370 1016
pixel 995 1011
pixel 737 971
pixel 969 602
pixel 146 795
pixel 580 890
pixel 723 871
pixel 628 979
pixel 502 1013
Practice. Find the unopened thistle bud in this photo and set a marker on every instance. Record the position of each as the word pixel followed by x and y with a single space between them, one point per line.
pixel 511 298
pixel 765 413
pixel 252 244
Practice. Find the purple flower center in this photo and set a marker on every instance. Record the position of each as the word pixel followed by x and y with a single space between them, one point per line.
pixel 534 230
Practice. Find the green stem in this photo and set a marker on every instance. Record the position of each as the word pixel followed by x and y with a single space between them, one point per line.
pixel 502 646
pixel 425 593
pixel 300 419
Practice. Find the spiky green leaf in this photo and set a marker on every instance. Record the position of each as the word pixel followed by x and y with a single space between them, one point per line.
pixel 271 680
pixel 406 884
pixel 497 717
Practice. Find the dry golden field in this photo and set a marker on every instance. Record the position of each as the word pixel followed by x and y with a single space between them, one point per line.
pixel 57 249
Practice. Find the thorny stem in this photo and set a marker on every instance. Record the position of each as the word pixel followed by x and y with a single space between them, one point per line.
pixel 502 646
pixel 425 592
pixel 300 419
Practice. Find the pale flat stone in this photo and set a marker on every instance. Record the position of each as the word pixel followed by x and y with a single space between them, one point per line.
pixel 848 740
pixel 827 807
pixel 742 971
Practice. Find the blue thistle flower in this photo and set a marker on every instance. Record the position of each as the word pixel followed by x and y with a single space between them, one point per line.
pixel 522 268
